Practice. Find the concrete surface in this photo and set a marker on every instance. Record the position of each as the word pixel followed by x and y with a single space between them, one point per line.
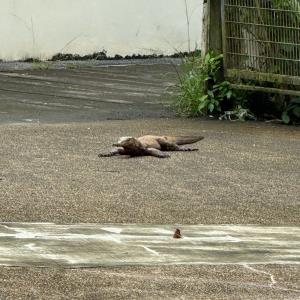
pixel 163 282
pixel 244 173
pixel 84 93
pixel 88 63
pixel 94 245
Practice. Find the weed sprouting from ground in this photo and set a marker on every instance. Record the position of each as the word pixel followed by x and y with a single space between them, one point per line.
pixel 40 66
pixel 291 113
pixel 202 89
pixel 204 92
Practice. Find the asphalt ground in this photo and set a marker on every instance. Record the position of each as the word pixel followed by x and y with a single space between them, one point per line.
pixel 53 125
pixel 75 93
pixel 242 174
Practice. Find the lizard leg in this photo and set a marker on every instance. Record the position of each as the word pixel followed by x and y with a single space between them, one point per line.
pixel 112 152
pixel 156 153
pixel 170 146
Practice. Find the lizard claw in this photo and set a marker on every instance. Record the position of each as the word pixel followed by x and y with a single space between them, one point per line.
pixel 189 149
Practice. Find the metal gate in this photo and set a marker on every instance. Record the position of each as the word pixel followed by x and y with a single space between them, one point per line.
pixel 261 41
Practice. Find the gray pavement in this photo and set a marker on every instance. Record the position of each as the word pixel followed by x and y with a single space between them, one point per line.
pixel 164 282
pixel 243 174
pixel 54 123
pixel 86 94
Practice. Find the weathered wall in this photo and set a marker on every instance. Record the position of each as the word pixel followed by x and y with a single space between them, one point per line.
pixel 42 28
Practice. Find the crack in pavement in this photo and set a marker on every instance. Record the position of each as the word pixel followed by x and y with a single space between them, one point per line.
pixel 273 282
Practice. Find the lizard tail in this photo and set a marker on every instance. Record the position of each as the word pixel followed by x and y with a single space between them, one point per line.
pixel 184 140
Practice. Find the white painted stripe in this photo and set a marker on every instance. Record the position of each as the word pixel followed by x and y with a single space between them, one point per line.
pixel 151 251
pixel 78 245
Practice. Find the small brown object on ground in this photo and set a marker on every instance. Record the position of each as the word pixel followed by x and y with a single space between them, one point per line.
pixel 177 234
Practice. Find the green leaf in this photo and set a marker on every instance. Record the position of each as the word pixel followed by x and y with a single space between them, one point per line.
pixel 218 57
pixel 229 94
pixel 203 98
pixel 210 94
pixel 211 107
pixel 285 117
pixel 202 105
pixel 207 58
pixel 296 112
pixel 295 100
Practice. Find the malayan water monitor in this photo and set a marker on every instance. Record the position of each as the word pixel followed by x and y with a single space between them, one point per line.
pixel 151 145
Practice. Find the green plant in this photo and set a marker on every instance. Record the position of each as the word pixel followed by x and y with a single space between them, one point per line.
pixel 202 89
pixel 204 92
pixel 292 112
pixel 191 87
pixel 40 66
pixel 211 102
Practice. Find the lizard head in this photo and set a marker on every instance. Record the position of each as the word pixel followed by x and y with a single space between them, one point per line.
pixel 128 142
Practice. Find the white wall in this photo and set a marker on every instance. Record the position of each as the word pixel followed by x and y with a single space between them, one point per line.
pixel 42 28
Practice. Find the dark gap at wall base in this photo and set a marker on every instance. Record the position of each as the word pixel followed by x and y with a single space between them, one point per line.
pixel 102 55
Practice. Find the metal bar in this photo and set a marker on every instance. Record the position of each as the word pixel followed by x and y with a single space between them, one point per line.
pixel 224 34
pixel 264 25
pixel 262 41
pixel 260 56
pixel 264 89
pixel 263 77
pixel 261 8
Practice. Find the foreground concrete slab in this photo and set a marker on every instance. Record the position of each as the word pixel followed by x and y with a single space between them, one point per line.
pixel 243 174
pixel 94 245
